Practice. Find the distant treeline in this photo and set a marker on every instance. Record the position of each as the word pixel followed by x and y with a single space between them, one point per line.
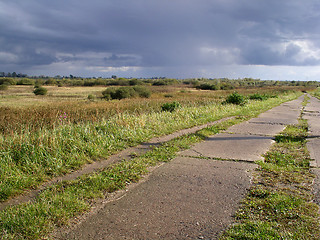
pixel 199 83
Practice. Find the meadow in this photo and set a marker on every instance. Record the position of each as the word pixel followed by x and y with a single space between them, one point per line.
pixel 47 136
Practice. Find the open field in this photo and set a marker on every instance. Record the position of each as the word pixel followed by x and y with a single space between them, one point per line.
pixel 51 135
pixel 21 110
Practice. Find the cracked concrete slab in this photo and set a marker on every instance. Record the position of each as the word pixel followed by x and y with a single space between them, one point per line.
pixel 281 116
pixel 275 119
pixel 188 198
pixel 313 146
pixel 314 129
pixel 284 114
pixel 231 146
pixel 314 123
pixel 311 113
pixel 312 106
pixel 251 128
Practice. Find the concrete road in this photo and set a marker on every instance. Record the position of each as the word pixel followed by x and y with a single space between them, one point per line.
pixel 195 195
pixel 312 114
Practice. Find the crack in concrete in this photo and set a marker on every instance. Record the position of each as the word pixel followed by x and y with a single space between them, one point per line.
pixel 219 159
pixel 268 123
pixel 253 134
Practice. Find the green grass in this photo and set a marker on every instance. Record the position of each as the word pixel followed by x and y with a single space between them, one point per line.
pixel 279 205
pixel 316 93
pixel 59 203
pixel 30 158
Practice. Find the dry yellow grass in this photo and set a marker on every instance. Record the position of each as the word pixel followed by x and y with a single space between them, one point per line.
pixel 21 110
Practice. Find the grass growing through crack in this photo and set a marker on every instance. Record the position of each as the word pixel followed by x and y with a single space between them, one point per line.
pixel 30 158
pixel 279 205
pixel 59 203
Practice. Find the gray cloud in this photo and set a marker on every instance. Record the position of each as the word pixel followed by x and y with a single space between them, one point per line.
pixel 185 34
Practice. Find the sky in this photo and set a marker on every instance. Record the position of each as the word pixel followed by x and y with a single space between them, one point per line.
pixel 265 39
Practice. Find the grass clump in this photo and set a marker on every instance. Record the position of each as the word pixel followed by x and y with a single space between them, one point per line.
pixel 126 92
pixel 91 97
pixel 236 98
pixel 171 107
pixel 4 87
pixel 261 97
pixel 279 205
pixel 40 91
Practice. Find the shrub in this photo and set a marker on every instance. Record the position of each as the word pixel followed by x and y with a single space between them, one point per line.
pixel 50 81
pixel 4 87
pixel 170 107
pixel 135 81
pixel 126 92
pixel 163 82
pixel 207 86
pixel 40 91
pixel 118 82
pixel 109 93
pixel 26 81
pixel 258 96
pixel 91 97
pixel 226 86
pixel 7 81
pixel 235 98
pixel 142 91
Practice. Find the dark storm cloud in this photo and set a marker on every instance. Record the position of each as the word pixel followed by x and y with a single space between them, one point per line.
pixel 149 33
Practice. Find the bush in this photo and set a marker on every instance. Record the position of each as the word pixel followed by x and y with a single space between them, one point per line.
pixel 163 82
pixel 226 86
pixel 170 107
pixel 207 86
pixel 4 87
pixel 135 81
pixel 7 81
pixel 51 81
pixel 261 97
pixel 108 93
pixel 91 97
pixel 142 91
pixel 258 96
pixel 126 92
pixel 26 81
pixel 40 91
pixel 118 82
pixel 235 98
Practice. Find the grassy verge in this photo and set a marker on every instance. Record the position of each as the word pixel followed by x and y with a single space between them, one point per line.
pixel 30 158
pixel 279 205
pixel 316 93
pixel 59 203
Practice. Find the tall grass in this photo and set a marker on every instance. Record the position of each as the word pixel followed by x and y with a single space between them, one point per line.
pixel 32 157
pixel 15 117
